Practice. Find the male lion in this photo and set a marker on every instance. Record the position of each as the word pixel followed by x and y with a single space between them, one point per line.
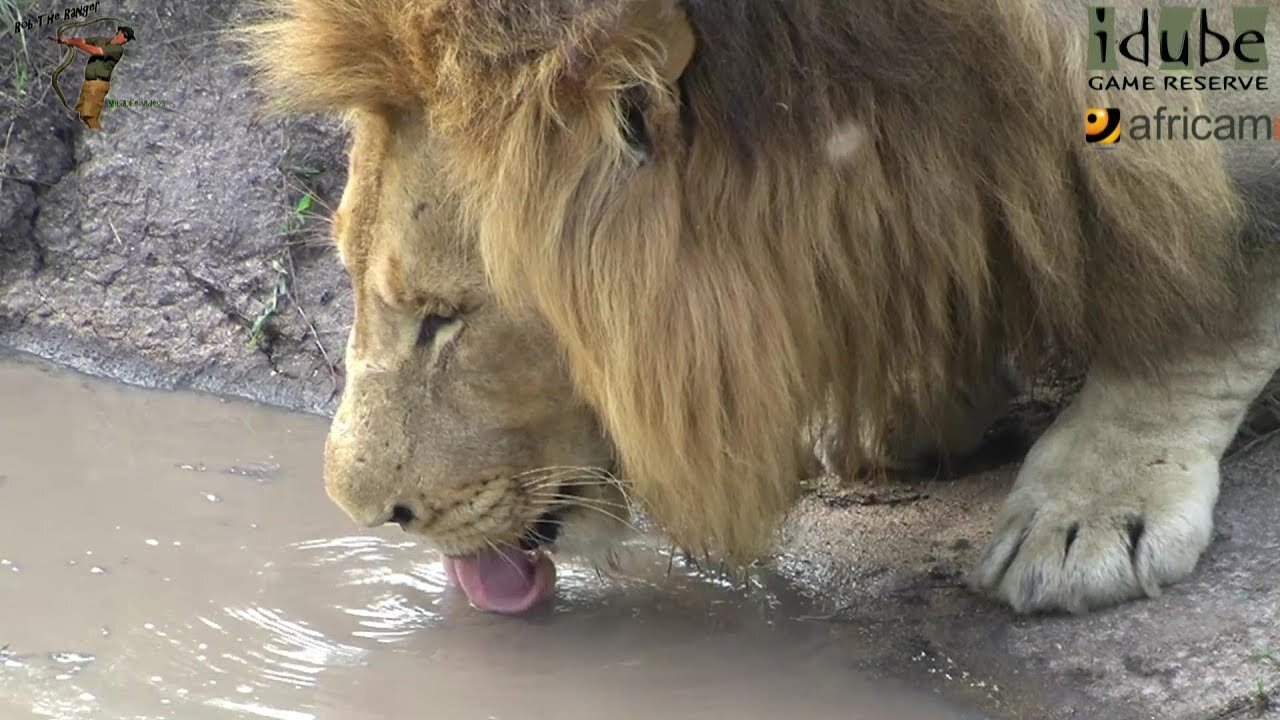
pixel 653 240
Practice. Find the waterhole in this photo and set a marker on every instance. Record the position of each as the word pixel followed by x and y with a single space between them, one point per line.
pixel 168 555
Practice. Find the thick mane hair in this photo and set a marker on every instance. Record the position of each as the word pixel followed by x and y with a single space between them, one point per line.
pixel 845 207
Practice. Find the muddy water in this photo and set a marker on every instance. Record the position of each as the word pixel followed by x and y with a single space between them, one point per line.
pixel 174 556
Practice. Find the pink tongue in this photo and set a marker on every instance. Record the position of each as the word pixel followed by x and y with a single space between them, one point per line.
pixel 509 581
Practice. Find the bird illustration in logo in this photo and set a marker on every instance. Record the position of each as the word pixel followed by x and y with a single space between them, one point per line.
pixel 1102 126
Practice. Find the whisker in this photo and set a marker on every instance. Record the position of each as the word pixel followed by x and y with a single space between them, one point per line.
pixel 551 521
pixel 575 476
pixel 562 491
pixel 565 477
pixel 505 557
pixel 546 500
pixel 546 487
pixel 546 477
pixel 620 521
pixel 581 482
pixel 588 469
pixel 577 482
pixel 583 468
pixel 605 512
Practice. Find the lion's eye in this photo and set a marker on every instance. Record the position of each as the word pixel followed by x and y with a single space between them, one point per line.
pixel 431 325
pixel 634 128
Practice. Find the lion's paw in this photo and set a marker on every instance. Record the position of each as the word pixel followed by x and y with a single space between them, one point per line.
pixel 1096 534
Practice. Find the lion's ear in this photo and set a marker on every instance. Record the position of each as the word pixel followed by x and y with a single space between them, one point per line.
pixel 661 25
pixel 676 34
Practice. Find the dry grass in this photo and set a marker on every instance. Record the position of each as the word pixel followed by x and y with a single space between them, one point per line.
pixel 16 65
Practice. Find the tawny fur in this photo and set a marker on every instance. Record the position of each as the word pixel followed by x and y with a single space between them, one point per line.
pixel 711 294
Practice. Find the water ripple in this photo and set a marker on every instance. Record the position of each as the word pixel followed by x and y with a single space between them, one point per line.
pixel 259 710
pixel 294 653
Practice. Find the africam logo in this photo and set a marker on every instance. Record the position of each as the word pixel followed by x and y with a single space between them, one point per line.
pixel 1102 126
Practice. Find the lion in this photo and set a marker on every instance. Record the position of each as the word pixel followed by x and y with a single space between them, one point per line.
pixel 621 255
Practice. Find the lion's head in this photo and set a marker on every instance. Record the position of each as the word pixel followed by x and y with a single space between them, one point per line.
pixel 459 421
pixel 658 238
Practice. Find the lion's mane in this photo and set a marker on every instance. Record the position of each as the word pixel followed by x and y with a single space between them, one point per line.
pixel 845 206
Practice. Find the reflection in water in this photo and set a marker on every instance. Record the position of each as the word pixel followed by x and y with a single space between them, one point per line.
pixel 172 592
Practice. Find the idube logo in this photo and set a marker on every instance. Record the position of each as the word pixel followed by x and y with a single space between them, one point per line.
pixel 1180 39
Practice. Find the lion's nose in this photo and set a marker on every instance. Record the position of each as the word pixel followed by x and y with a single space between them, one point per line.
pixel 402 515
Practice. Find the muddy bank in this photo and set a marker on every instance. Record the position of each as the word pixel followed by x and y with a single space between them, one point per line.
pixel 182 246
pixel 1205 649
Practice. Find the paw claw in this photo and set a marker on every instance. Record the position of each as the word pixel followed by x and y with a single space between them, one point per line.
pixel 1134 527
pixel 1078 551
pixel 1072 533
